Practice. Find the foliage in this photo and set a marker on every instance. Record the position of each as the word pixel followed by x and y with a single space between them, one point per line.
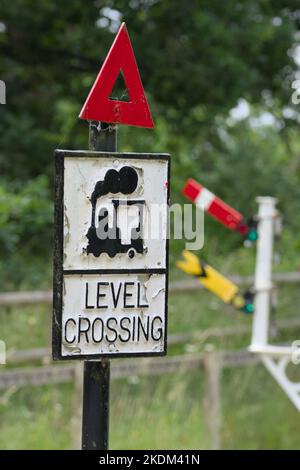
pixel 25 216
pixel 196 60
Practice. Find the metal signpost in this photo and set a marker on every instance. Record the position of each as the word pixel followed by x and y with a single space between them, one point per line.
pixel 111 246
pixel 96 374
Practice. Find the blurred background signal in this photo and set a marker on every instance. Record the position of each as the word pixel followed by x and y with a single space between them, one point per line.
pixel 216 282
pixel 213 205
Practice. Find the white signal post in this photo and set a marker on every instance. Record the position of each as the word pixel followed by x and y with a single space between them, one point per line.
pixel 275 357
pixel 263 271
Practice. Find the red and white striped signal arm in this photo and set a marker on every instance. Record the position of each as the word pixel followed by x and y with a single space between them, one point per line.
pixel 212 204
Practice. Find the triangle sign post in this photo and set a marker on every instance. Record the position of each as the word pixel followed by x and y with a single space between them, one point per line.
pixel 100 107
pixel 124 180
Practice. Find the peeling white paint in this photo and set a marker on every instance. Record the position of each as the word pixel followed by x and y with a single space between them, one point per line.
pixel 161 290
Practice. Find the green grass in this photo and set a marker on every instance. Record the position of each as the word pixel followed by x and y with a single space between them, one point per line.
pixel 256 412
pixel 163 412
pixel 158 413
pixel 26 327
pixel 36 418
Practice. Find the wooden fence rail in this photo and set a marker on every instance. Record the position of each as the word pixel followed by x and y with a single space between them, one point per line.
pixel 44 354
pixel 42 375
pixel 40 297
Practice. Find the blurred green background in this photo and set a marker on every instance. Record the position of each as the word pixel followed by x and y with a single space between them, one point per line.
pixel 219 78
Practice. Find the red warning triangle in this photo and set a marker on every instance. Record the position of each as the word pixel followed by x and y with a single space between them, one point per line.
pixel 99 107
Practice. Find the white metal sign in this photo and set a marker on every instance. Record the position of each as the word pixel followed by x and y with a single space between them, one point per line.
pixel 110 277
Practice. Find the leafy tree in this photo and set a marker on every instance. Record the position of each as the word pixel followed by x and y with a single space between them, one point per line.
pixel 196 60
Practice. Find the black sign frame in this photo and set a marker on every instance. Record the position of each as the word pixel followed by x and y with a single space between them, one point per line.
pixel 59 272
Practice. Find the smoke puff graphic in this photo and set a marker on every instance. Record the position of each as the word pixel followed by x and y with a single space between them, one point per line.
pixel 123 181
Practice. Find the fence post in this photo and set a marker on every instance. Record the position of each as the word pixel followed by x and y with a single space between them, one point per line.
pixel 212 396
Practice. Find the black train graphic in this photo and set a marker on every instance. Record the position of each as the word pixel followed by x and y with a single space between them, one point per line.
pixel 103 239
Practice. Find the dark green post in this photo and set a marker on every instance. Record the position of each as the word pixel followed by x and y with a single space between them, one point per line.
pixel 96 380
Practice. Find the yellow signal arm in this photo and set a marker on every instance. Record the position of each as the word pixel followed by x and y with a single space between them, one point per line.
pixel 210 278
